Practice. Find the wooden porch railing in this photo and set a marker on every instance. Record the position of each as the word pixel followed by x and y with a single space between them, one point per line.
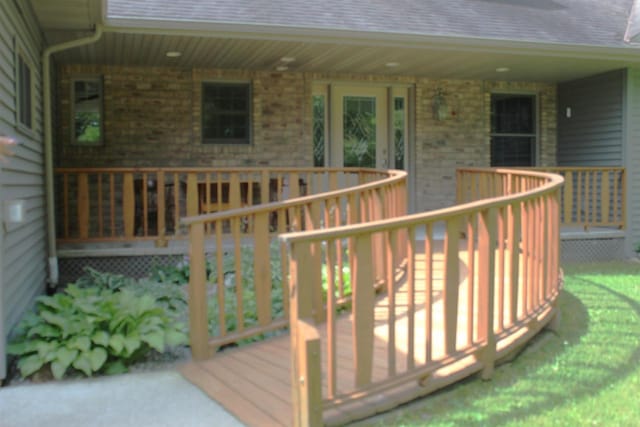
pixel 245 243
pixel 455 302
pixel 591 196
pixel 107 204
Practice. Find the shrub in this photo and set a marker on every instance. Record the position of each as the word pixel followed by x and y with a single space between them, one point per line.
pixel 93 330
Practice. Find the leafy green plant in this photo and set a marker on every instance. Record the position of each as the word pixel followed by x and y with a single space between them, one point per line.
pixel 638 248
pixel 249 301
pixel 92 330
pixel 95 278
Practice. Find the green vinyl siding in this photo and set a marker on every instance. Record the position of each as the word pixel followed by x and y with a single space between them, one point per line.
pixel 593 134
pixel 22 246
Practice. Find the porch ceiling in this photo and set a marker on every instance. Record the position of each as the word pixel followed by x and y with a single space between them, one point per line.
pixel 426 60
pixel 227 47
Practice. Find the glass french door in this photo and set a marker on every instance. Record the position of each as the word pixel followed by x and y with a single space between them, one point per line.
pixel 359 127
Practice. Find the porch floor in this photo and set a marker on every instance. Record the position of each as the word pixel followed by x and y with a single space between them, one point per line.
pixel 253 382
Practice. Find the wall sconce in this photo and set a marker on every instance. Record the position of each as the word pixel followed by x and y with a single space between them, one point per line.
pixel 440 107
pixel 14 212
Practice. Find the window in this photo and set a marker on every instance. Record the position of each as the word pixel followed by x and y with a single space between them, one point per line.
pixel 226 113
pixel 319 130
pixel 87 111
pixel 24 92
pixel 513 130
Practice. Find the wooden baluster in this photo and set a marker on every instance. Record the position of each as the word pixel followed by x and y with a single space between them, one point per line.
pixel 514 227
pixel 145 204
pixel 234 191
pixel 128 204
pixel 237 245
pixel 411 290
pixel 100 218
pixel 390 246
pixel 312 222
pixel 486 284
pixel 265 196
pixel 305 343
pixel 451 282
pixel 502 223
pixel 428 291
pixel 198 324
pixel 568 205
pixel 221 285
pixel 294 185
pixel 161 205
pixel 192 194
pixel 83 205
pixel 176 203
pixel 262 267
pixel 333 181
pixel 605 198
pixel 65 203
pixel 112 204
pixel 363 300
pixel 471 255
pixel 332 354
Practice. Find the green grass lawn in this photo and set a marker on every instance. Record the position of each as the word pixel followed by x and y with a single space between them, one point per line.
pixel 587 374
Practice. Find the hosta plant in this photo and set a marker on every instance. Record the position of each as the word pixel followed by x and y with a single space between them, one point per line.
pixel 92 330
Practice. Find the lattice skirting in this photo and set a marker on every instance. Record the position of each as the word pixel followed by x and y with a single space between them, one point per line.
pixel 590 250
pixel 573 250
pixel 133 266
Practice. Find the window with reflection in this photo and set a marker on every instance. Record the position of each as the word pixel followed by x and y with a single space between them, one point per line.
pixel 513 130
pixel 226 113
pixel 87 111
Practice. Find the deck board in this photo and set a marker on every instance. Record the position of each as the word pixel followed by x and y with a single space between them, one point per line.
pixel 253 381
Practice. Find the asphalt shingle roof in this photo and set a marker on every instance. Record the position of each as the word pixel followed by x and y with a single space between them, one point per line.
pixel 585 22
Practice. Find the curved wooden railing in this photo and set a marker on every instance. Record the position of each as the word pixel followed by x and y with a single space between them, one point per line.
pixel 238 271
pixel 480 279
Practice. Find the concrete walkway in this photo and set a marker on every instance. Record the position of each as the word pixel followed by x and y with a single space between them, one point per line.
pixel 144 399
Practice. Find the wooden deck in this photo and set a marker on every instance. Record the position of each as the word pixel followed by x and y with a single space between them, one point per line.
pixel 253 381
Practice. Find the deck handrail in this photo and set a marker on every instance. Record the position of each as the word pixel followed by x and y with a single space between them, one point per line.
pixel 373 194
pixel 508 239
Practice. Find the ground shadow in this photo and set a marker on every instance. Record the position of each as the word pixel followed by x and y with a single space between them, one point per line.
pixel 538 379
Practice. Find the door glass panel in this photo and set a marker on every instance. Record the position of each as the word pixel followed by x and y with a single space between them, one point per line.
pixel 398 133
pixel 359 131
pixel 318 131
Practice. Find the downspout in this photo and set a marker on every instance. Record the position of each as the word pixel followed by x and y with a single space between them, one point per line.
pixel 48 144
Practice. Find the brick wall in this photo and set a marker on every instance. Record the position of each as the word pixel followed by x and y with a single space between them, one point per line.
pixel 463 139
pixel 152 118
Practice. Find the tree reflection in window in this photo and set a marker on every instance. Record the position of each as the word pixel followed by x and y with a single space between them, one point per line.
pixel 87 111
pixel 318 131
pixel 398 132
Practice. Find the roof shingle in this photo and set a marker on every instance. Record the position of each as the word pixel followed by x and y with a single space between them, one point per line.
pixel 584 22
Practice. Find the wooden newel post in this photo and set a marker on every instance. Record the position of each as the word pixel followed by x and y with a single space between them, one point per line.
pixel 487 233
pixel 306 381
pixel 198 331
